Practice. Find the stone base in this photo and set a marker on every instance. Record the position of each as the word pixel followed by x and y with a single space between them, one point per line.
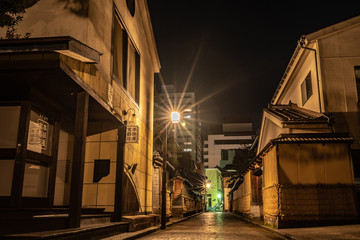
pixel 139 222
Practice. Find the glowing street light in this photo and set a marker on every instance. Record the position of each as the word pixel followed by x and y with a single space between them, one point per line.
pixel 175 117
pixel 208 185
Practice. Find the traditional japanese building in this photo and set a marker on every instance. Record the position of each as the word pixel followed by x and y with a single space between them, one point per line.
pixel 76 108
pixel 307 163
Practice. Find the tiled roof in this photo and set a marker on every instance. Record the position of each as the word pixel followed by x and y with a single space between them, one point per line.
pixel 293 113
pixel 323 137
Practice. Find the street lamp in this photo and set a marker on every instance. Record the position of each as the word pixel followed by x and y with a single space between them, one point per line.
pixel 175 118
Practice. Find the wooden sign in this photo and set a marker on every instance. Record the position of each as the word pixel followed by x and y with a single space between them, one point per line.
pixel 132 134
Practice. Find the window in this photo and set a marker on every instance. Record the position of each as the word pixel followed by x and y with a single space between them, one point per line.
pixel 306 89
pixel 126 61
pixel 224 154
pixel 187 150
pixel 119 52
pixel 206 160
pixel 357 78
pixel 187 143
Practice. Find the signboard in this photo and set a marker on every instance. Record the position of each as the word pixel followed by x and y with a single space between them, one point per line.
pixel 132 134
pixel 38 135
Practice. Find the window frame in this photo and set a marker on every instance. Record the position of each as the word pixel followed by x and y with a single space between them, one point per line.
pixel 357 82
pixel 127 43
pixel 306 89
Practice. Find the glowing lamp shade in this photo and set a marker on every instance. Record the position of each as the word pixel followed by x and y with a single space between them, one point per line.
pixel 175 117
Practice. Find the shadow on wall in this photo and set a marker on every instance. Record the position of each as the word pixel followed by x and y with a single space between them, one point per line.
pixel 78 7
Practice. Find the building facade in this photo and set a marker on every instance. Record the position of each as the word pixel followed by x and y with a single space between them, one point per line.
pixel 214 190
pixel 71 94
pixel 220 148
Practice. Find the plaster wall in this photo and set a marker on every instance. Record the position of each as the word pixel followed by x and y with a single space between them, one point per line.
pixel 214 150
pixel 314 164
pixel 242 196
pixel 292 91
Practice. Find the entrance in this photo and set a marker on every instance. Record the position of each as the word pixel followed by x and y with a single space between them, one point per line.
pixel 28 148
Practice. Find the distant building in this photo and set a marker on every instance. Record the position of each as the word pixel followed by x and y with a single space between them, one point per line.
pixel 220 147
pixel 188 131
pixel 214 190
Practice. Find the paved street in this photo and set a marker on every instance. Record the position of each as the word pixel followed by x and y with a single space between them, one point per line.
pixel 213 226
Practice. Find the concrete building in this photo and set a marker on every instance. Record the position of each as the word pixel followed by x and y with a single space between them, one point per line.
pixel 188 131
pixel 67 94
pixel 220 147
pixel 308 152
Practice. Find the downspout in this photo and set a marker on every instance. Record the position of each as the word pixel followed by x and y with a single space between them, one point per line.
pixel 302 45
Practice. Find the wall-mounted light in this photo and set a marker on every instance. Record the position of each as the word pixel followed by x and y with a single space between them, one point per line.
pixel 126 113
pixel 131 167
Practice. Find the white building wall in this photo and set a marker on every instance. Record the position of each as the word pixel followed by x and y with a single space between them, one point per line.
pixel 214 150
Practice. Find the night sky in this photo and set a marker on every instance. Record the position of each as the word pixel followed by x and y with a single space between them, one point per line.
pixel 238 51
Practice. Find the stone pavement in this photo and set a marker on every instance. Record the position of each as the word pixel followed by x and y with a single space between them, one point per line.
pixel 146 231
pixel 326 232
pixel 342 232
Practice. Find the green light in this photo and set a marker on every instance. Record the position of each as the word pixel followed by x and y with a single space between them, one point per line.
pixel 183 124
pixel 219 195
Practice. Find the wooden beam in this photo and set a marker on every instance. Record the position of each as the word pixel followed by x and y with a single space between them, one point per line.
pixel 81 121
pixel 19 168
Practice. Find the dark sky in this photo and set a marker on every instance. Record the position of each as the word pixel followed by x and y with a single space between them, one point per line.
pixel 242 49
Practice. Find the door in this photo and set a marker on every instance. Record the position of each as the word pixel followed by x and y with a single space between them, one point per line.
pixel 28 155
pixel 40 159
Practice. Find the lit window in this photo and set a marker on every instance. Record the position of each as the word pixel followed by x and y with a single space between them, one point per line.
pixel 187 116
pixel 187 143
pixel 187 110
pixel 187 150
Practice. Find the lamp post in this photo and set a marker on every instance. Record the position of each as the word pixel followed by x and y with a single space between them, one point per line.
pixel 207 186
pixel 175 118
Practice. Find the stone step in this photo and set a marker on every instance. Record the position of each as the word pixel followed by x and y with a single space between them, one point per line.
pixel 89 232
pixel 138 222
pixel 42 222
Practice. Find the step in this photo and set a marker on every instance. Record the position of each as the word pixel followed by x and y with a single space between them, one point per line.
pixel 138 222
pixel 90 232
pixel 42 222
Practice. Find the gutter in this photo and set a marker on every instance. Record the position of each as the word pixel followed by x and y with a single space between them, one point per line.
pixel 302 45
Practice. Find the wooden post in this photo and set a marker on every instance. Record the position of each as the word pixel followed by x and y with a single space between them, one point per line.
pixel 19 168
pixel 117 217
pixel 81 121
pixel 163 187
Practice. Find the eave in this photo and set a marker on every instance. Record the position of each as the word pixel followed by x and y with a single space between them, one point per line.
pixel 65 45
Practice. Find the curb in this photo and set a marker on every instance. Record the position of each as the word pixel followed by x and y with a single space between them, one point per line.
pixel 274 231
pixel 149 230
